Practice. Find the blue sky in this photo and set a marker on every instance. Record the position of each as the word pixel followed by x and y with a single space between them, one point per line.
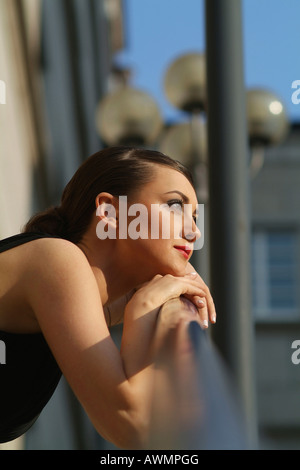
pixel 160 30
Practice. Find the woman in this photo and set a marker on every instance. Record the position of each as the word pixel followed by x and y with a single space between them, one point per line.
pixel 64 283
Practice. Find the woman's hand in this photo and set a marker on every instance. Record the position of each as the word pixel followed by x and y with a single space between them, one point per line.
pixel 153 294
pixel 140 317
pixel 204 303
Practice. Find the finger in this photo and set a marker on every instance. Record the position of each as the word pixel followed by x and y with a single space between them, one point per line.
pixel 205 294
pixel 210 302
pixel 211 309
pixel 201 306
pixel 202 310
pixel 192 275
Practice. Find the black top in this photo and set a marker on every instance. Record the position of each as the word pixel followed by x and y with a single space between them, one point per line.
pixel 29 373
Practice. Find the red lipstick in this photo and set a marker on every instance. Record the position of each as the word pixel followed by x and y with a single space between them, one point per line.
pixel 184 250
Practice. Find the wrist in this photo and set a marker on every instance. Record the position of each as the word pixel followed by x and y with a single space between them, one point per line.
pixel 139 305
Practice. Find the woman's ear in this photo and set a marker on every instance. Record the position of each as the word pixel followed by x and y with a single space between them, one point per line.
pixel 106 212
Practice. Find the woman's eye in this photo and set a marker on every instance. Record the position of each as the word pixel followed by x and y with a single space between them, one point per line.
pixel 176 204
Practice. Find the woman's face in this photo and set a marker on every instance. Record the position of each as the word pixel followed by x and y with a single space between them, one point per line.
pixel 163 213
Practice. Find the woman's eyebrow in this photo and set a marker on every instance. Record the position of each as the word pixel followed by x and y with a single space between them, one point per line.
pixel 184 197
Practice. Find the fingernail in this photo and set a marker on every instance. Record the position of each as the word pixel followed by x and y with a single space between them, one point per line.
pixel 205 323
pixel 200 302
pixel 214 318
pixel 191 274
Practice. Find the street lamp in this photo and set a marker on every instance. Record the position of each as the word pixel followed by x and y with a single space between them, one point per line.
pixel 267 124
pixel 185 88
pixel 128 117
pixel 185 83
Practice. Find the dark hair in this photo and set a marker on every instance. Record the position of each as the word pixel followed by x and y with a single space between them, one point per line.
pixel 119 171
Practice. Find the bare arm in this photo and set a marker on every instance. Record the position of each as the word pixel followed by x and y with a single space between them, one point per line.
pixel 113 387
pixel 114 312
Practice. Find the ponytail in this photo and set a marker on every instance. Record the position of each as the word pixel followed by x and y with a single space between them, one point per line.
pixel 50 221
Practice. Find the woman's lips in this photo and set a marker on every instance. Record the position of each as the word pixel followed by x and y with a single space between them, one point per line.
pixel 184 250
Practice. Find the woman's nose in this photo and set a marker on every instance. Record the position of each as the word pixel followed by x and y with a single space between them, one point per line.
pixel 192 232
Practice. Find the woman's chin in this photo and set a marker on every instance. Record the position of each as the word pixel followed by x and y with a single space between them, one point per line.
pixel 177 270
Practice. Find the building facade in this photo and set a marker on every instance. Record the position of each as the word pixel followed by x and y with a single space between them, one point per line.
pixel 276 296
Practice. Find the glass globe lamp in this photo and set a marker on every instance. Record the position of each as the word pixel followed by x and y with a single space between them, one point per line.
pixel 266 116
pixel 185 142
pixel 185 83
pixel 128 117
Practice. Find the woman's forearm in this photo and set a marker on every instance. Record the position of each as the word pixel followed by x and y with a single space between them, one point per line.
pixel 139 340
pixel 114 311
pixel 137 358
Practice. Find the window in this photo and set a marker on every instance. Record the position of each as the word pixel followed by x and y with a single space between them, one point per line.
pixel 274 274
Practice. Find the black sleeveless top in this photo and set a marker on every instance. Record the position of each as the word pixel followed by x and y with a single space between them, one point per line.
pixel 29 373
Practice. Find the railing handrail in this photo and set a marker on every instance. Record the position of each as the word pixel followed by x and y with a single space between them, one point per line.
pixel 195 405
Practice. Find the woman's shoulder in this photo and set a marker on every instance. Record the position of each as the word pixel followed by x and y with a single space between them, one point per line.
pixel 54 254
pixel 40 267
pixel 24 256
pixel 23 243
pixel 42 259
pixel 57 271
pixel 54 246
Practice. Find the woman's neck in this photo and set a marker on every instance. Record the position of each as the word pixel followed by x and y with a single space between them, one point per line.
pixel 112 280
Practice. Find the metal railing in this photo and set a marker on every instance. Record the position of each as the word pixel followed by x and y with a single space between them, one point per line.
pixel 195 404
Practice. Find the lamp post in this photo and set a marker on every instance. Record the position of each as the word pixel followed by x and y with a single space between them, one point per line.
pixel 229 198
